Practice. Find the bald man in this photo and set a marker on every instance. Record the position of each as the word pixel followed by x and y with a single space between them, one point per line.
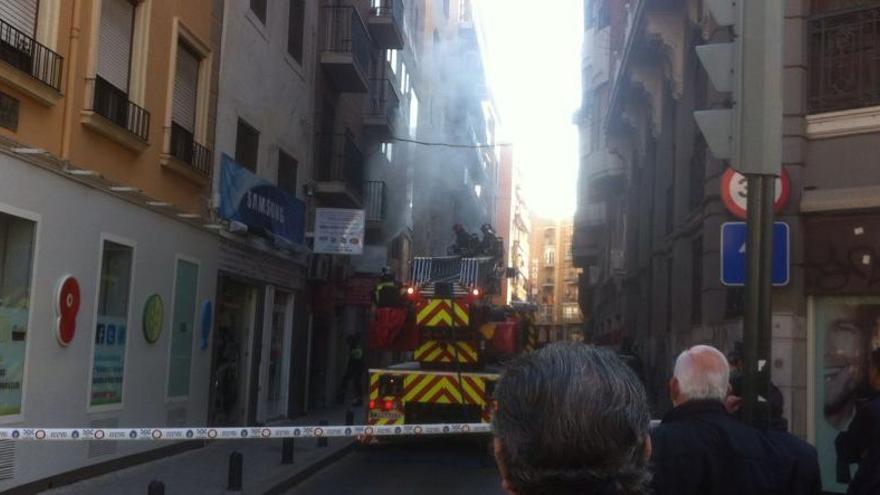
pixel 700 449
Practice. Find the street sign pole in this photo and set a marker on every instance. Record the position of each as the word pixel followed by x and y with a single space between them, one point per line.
pixel 757 323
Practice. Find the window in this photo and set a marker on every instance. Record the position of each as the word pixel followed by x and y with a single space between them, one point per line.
pixel 247 146
pixel 296 29
pixel 697 280
pixel 549 257
pixel 391 58
pixel 186 84
pixel 388 151
pixel 183 324
pixel 21 15
pixel 571 312
pixel 287 170
pixel 413 114
pixel 16 265
pixel 111 332
pixel 114 42
pixel 258 7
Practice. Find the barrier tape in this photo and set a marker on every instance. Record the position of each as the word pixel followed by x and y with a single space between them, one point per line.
pixel 235 433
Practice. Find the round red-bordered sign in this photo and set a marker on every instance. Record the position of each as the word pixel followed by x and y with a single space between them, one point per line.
pixel 734 192
pixel 67 303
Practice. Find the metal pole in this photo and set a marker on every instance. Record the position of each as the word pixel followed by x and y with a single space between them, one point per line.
pixel 757 324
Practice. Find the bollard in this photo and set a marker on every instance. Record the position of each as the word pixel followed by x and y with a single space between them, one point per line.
pixel 349 417
pixel 322 440
pixel 236 466
pixel 286 451
pixel 156 487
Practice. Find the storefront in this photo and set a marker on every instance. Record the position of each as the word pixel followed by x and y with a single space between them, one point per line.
pixel 842 270
pixel 262 329
pixel 102 305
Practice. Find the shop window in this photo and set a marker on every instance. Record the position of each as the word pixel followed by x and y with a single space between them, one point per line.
pixel 186 285
pixel 111 332
pixel 16 265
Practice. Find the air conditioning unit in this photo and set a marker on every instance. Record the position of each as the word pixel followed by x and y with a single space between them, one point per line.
pixel 319 267
pixel 617 260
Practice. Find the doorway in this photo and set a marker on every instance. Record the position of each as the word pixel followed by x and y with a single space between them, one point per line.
pixel 275 368
pixel 236 317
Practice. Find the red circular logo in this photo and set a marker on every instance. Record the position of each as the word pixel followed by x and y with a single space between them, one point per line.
pixel 67 307
pixel 735 192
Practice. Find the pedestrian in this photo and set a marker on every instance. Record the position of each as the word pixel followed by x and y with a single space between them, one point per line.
pixel 860 443
pixel 700 449
pixel 808 475
pixel 571 419
pixel 354 372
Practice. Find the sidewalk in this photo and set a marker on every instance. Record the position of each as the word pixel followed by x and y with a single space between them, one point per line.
pixel 205 470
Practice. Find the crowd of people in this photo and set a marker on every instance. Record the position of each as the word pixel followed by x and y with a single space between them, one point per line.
pixel 574 419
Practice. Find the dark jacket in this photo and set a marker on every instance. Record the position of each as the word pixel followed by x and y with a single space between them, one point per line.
pixel 700 449
pixel 807 478
pixel 861 443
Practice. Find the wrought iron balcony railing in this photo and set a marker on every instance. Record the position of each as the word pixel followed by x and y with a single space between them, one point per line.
pixel 374 201
pixel 112 103
pixel 187 150
pixel 844 54
pixel 341 161
pixel 27 55
pixel 344 33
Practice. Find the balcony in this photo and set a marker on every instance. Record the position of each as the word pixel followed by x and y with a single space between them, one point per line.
pixel 113 106
pixel 604 170
pixel 196 158
pixel 586 244
pixel 374 203
pixel 36 69
pixel 382 107
pixel 345 49
pixel 386 23
pixel 340 176
pixel 844 53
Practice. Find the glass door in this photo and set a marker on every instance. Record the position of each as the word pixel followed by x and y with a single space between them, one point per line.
pixel 276 363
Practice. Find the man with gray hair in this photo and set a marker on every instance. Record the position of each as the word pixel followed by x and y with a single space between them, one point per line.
pixel 700 449
pixel 571 419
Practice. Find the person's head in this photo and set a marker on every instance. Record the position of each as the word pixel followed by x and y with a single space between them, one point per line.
pixel 701 373
pixel 571 419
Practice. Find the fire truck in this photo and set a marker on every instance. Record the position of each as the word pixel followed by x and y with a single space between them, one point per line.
pixel 461 341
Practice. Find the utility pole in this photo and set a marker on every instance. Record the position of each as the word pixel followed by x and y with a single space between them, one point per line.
pixel 750 135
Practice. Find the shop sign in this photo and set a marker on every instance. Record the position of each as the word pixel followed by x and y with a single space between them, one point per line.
pixel 260 205
pixel 154 310
pixel 108 372
pixel 339 231
pixel 359 290
pixel 67 301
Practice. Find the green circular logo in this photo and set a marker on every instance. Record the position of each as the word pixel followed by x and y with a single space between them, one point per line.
pixel 153 312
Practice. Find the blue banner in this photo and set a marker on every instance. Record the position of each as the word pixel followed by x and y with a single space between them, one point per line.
pixel 266 209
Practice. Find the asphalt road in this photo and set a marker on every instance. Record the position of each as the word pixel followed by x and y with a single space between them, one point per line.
pixel 424 468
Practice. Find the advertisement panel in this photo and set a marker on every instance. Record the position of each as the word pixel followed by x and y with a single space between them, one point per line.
pixel 254 201
pixel 339 231
pixel 13 328
pixel 109 363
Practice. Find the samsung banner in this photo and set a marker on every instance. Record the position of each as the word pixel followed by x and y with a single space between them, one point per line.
pixel 266 209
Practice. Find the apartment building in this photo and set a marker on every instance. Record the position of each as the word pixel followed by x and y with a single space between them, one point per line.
pixel 106 131
pixel 554 281
pixel 513 222
pixel 650 212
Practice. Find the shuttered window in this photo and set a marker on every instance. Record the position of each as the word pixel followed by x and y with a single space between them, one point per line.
pixel 186 81
pixel 114 42
pixel 20 14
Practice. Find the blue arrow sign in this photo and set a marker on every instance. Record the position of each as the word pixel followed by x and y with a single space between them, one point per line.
pixel 733 253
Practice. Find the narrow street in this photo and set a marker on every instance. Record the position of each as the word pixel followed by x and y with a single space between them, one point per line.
pixel 423 468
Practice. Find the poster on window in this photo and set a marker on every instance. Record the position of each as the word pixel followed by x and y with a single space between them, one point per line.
pixel 182 328
pixel 847 330
pixel 13 328
pixel 109 367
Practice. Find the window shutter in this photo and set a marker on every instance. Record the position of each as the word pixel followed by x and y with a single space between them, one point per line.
pixel 20 14
pixel 114 42
pixel 186 80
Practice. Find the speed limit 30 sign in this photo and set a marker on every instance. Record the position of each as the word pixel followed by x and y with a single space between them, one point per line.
pixel 735 192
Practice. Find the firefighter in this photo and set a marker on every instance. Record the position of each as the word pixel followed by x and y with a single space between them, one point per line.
pixel 354 372
pixel 388 291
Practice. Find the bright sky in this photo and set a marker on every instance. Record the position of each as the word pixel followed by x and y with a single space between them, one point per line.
pixel 533 64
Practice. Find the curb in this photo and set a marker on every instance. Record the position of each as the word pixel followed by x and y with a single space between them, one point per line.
pixel 284 482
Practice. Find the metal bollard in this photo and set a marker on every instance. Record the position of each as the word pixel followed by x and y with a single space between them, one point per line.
pixel 349 417
pixel 156 487
pixel 236 468
pixel 286 451
pixel 322 441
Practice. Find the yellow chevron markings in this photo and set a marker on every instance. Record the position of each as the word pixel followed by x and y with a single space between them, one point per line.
pixel 443 316
pixel 427 310
pixel 463 316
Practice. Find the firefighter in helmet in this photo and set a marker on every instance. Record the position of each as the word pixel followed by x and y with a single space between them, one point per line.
pixel 388 291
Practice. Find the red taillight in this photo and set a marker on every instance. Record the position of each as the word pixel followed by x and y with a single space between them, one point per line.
pixel 372 404
pixel 389 405
pixel 476 292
